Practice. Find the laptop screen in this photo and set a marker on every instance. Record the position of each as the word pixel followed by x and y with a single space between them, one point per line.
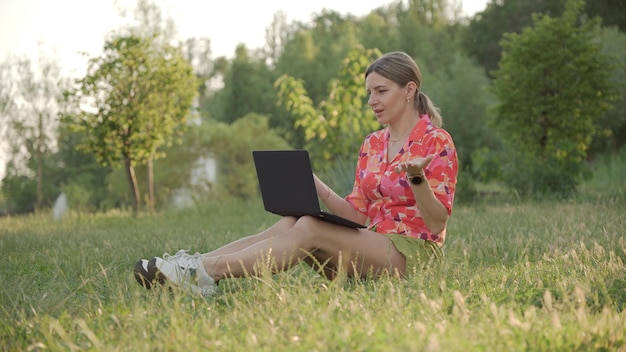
pixel 286 182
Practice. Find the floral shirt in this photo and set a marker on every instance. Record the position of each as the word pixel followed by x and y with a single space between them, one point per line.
pixel 386 196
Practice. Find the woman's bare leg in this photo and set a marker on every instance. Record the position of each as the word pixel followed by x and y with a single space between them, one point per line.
pixel 357 252
pixel 279 227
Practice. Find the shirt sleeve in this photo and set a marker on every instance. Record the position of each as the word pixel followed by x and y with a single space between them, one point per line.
pixel 443 169
pixel 357 197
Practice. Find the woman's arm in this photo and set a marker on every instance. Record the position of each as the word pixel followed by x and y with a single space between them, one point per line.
pixel 433 212
pixel 336 204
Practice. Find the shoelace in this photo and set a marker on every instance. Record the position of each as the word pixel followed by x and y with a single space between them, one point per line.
pixel 183 259
pixel 180 253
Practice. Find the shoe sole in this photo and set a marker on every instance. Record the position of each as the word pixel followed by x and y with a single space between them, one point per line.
pixel 147 278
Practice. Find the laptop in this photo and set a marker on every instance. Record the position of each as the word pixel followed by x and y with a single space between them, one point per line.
pixel 287 185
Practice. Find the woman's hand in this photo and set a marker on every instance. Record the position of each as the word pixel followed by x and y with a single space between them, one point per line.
pixel 414 167
pixel 323 191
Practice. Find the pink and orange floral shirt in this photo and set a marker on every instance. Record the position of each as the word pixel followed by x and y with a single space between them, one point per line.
pixel 386 197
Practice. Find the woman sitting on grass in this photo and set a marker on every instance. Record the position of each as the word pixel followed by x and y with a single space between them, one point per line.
pixel 403 190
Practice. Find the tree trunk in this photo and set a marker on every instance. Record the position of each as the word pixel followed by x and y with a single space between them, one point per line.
pixel 39 176
pixel 39 157
pixel 151 198
pixel 132 182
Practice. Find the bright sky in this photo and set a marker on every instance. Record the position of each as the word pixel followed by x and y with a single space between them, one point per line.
pixel 68 27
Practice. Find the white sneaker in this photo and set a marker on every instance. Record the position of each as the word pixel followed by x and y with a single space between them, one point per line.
pixel 144 275
pixel 185 271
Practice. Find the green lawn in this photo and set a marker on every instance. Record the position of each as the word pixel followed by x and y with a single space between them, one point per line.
pixel 535 276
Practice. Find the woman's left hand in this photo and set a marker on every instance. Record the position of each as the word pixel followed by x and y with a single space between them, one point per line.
pixel 414 167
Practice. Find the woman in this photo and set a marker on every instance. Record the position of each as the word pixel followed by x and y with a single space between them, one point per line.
pixel 403 190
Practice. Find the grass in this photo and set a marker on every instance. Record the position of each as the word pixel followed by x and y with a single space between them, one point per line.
pixel 537 276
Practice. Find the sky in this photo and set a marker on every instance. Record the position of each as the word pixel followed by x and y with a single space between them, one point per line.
pixel 66 28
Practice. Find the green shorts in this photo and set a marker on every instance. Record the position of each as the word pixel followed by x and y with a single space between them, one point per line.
pixel 420 254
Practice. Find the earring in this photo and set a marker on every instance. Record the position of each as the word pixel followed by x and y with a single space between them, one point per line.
pixel 408 100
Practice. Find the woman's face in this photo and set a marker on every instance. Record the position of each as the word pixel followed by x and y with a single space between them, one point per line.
pixel 387 99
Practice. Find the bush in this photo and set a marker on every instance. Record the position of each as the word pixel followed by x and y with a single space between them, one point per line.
pixel 232 146
pixel 548 109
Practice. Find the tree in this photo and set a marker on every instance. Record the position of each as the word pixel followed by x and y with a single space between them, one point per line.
pixel 552 83
pixel 485 30
pixel 5 106
pixel 132 101
pixel 377 30
pixel 339 123
pixel 429 13
pixel 151 24
pixel 276 36
pixel 612 12
pixel 6 103
pixel 247 87
pixel 30 103
pixel 316 51
pixel 232 145
pixel 197 52
pixel 175 175
pixel 611 131
pixel 461 90
pixel 78 174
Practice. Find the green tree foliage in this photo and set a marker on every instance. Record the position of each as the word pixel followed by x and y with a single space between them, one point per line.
pixel 299 57
pixel 197 52
pixel 31 97
pixel 172 174
pixel 553 85
pixel 423 31
pixel 137 95
pixel 315 52
pixel 6 103
pixel 78 174
pixel 612 12
pixel 484 33
pixel 335 36
pixel 611 131
pixel 176 172
pixel 20 189
pixel 377 30
pixel 277 34
pixel 461 90
pixel 427 13
pixel 336 127
pixel 248 87
pixel 485 30
pixel 232 144
pixel 19 192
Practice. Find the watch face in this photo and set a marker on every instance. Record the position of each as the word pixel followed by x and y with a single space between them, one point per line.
pixel 416 180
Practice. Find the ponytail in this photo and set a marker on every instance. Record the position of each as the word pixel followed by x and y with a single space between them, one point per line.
pixel 424 105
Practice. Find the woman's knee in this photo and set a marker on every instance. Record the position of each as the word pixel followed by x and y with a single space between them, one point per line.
pixel 307 223
pixel 308 227
pixel 283 225
pixel 287 222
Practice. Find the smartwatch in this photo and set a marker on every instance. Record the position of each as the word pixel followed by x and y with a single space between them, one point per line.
pixel 416 179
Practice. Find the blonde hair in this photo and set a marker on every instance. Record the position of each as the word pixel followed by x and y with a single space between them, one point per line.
pixel 402 69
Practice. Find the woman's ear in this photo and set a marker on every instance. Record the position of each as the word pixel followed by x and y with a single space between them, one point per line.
pixel 411 89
